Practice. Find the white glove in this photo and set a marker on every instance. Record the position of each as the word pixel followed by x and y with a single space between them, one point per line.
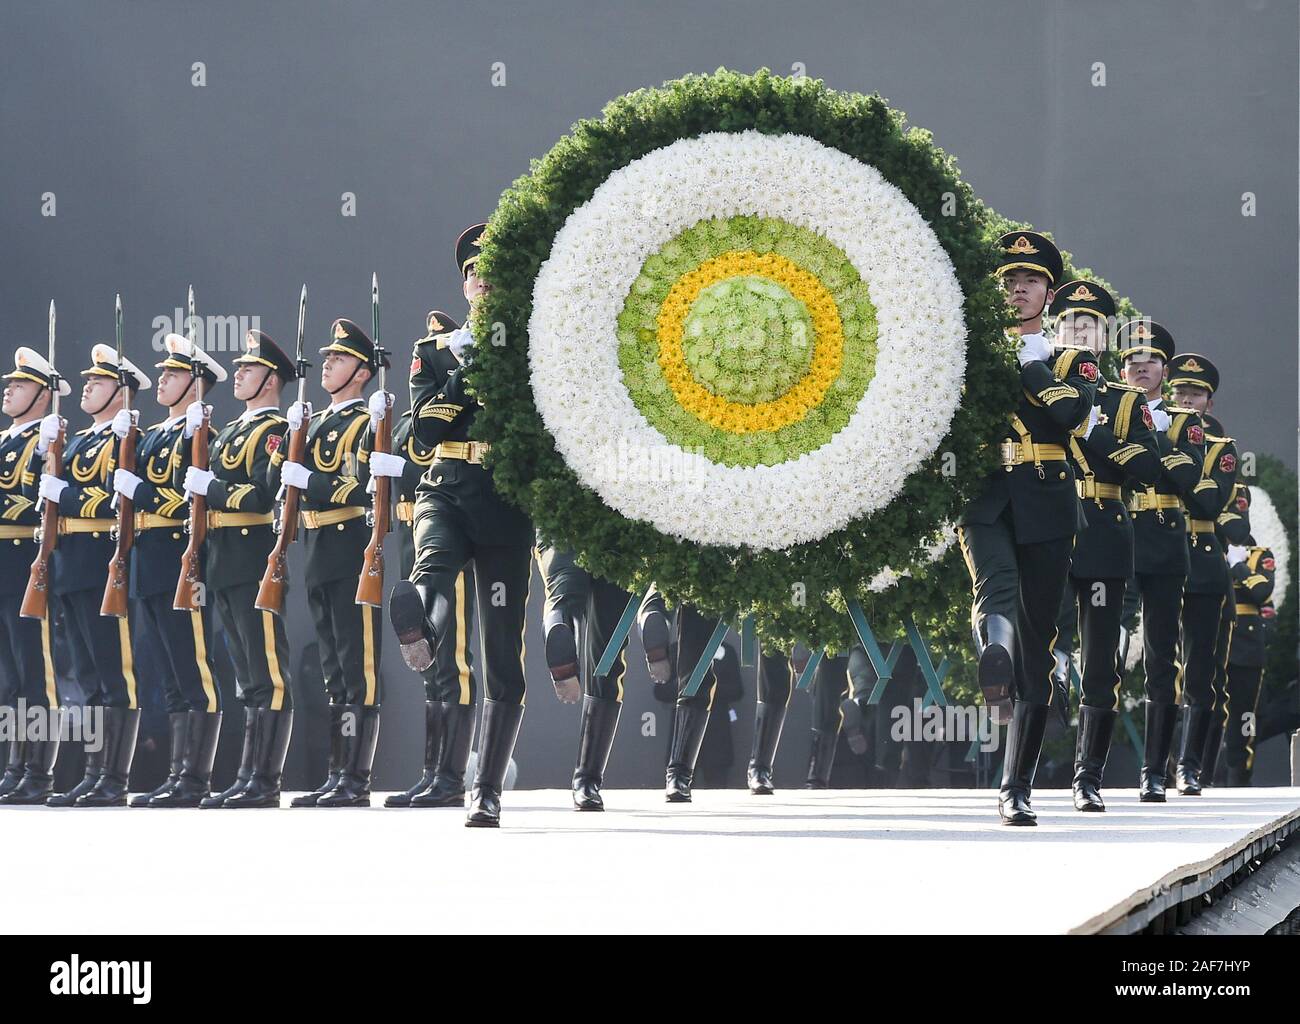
pixel 379 404
pixel 298 413
pixel 383 464
pixel 125 482
pixel 1032 347
pixel 123 422
pixel 295 474
pixel 51 427
pixel 1237 553
pixel 51 487
pixel 1159 417
pixel 460 341
pixel 1094 417
pixel 195 414
pixel 197 481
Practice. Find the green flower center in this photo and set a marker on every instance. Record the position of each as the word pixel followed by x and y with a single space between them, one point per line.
pixel 747 339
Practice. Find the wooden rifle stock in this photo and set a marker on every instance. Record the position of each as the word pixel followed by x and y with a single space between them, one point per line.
pixel 370 587
pixel 190 582
pixel 36 598
pixel 118 585
pixel 270 593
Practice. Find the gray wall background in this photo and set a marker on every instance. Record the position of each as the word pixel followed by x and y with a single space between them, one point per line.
pixel 236 186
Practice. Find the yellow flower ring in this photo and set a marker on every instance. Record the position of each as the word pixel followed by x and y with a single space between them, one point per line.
pixel 738 417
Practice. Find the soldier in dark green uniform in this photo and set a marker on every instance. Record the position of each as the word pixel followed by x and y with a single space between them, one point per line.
pixel 449 685
pixel 459 517
pixel 1194 379
pixel 1159 540
pixel 1253 570
pixel 100 645
pixel 334 504
pixel 831 692
pixel 26 660
pixel 1233 530
pixel 241 534
pixel 181 641
pixel 579 604
pixel 1018 534
pixel 1120 449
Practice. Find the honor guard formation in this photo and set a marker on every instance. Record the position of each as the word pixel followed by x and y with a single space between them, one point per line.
pixel 1111 498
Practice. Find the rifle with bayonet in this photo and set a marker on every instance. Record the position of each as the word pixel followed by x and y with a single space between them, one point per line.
pixel 118 585
pixel 370 586
pixel 37 595
pixel 189 586
pixel 270 594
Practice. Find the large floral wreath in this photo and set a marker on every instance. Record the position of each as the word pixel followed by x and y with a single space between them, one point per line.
pixel 743 340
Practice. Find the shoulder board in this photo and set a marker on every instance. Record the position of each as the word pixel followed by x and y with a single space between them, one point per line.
pixel 1119 385
pixel 1174 410
pixel 82 433
pixel 1215 439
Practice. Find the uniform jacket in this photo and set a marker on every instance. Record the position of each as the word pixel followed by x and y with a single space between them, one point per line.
pixel 161 456
pixel 81 559
pixel 1160 535
pixel 447 414
pixel 1252 582
pixel 241 456
pixel 1121 449
pixel 1055 398
pixel 1216 491
pixel 19 467
pixel 338 450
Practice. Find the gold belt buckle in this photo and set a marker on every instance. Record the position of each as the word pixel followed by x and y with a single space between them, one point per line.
pixel 477 449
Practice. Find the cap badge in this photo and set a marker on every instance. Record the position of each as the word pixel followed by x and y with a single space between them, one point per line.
pixel 1192 366
pixel 340 332
pixel 1022 246
pixel 1081 294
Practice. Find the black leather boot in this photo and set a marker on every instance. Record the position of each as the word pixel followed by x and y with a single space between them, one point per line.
pixel 245 771
pixel 94 766
pixel 561 646
pixel 448 789
pixel 1196 727
pixel 175 759
pixel 1157 739
pixel 656 639
pixel 410 610
pixel 14 766
pixel 432 740
pixel 820 760
pixel 271 734
pixel 688 733
pixel 1213 744
pixel 595 738
pixel 1096 726
pixel 996 666
pixel 38 775
pixel 359 742
pixel 195 781
pixel 768 720
pixel 1024 743
pixel 338 751
pixel 1061 685
pixel 121 726
pixel 853 718
pixel 496 744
